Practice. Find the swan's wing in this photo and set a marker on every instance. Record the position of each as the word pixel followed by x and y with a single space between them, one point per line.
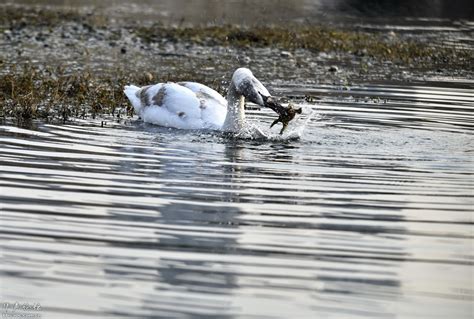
pixel 213 105
pixel 175 105
pixel 170 105
pixel 207 92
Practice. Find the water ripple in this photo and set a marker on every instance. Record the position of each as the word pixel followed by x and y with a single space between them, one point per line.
pixel 368 212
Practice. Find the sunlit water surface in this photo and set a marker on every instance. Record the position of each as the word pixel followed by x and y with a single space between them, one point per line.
pixel 367 214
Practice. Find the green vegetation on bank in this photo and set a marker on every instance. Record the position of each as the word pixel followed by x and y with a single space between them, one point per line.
pixel 315 38
pixel 50 94
pixel 39 91
pixel 53 94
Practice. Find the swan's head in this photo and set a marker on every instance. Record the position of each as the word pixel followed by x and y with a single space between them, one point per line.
pixel 249 86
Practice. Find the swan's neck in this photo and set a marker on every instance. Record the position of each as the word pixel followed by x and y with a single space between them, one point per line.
pixel 234 120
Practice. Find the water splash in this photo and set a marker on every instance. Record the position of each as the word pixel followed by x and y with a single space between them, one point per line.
pixel 261 131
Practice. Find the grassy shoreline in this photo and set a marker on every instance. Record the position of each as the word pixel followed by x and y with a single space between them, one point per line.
pixel 381 45
pixel 313 38
pixel 35 90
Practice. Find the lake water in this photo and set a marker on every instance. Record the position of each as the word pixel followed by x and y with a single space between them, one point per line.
pixel 266 11
pixel 367 215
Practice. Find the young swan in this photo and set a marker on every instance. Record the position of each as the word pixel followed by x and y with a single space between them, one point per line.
pixel 191 105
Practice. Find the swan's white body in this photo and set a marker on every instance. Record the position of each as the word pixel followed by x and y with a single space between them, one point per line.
pixel 191 105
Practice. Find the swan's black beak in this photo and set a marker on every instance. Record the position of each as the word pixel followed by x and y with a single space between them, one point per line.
pixel 286 114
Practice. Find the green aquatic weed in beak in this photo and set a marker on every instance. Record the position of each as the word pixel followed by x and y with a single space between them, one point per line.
pixel 286 114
